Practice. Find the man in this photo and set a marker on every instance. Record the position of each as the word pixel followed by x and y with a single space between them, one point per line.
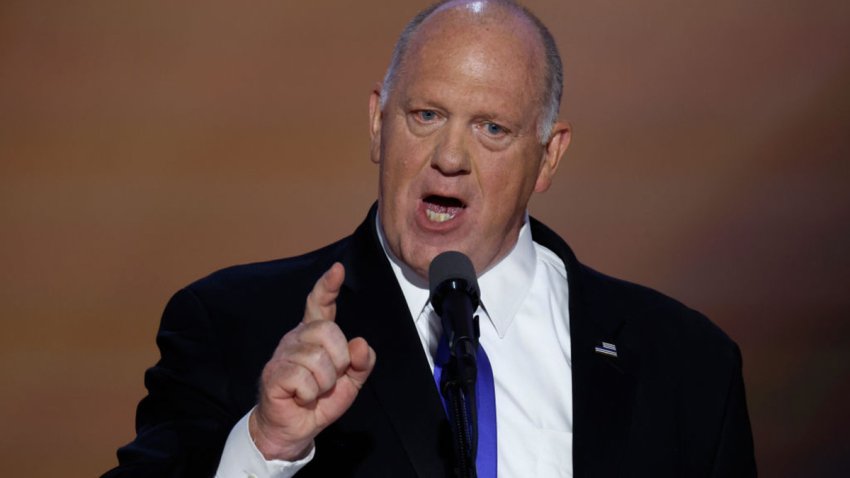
pixel 593 376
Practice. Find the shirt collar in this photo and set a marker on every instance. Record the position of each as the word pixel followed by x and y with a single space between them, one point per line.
pixel 503 287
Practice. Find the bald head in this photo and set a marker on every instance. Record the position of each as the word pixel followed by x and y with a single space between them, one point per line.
pixel 528 37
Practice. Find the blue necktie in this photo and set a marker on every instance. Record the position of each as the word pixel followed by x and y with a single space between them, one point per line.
pixel 485 396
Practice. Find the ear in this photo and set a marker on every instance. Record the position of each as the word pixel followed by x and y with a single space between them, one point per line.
pixel 554 151
pixel 375 124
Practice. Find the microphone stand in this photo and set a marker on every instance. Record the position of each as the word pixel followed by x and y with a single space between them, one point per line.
pixel 458 387
pixel 455 296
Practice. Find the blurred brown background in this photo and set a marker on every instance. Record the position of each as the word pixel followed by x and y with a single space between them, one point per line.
pixel 144 144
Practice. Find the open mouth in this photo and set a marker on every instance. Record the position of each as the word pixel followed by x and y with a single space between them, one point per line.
pixel 442 208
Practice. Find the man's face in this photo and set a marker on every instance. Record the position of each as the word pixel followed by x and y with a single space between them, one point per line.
pixel 457 141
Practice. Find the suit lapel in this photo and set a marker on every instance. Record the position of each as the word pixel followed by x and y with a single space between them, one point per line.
pixel 372 306
pixel 603 391
pixel 603 385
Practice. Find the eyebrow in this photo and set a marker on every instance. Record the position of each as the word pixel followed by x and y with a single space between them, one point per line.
pixel 409 102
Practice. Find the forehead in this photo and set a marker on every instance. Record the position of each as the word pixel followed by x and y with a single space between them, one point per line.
pixel 476 47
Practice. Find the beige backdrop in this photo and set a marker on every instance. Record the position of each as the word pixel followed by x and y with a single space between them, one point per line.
pixel 144 144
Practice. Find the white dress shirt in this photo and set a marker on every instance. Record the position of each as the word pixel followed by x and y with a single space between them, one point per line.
pixel 524 322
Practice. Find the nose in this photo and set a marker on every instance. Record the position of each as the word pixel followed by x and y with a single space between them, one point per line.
pixel 451 154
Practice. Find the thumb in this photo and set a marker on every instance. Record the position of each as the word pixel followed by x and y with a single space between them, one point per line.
pixel 362 361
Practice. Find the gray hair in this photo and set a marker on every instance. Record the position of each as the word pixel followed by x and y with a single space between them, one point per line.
pixel 554 73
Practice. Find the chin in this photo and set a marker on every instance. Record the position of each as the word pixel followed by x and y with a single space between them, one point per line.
pixel 421 260
pixel 419 256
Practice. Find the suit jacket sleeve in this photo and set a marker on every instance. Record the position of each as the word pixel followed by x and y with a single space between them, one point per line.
pixel 183 423
pixel 735 453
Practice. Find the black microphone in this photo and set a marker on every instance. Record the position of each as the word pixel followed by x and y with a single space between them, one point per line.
pixel 455 296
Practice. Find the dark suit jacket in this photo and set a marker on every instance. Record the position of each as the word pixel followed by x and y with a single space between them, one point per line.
pixel 670 405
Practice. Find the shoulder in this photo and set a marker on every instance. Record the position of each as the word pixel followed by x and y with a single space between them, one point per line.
pixel 262 298
pixel 237 315
pixel 679 357
pixel 275 277
pixel 616 307
pixel 659 319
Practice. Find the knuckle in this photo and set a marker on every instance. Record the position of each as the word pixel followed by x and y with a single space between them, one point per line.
pixel 321 332
pixel 291 338
pixel 326 328
pixel 267 376
pixel 311 297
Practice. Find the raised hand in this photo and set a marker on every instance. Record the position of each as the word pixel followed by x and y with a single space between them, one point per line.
pixel 312 378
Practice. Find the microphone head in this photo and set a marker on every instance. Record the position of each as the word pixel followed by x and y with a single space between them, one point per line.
pixel 452 270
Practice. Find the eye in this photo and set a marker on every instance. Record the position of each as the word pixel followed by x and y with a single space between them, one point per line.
pixel 493 129
pixel 493 135
pixel 426 116
pixel 422 122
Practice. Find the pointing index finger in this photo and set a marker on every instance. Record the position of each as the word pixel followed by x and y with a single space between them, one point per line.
pixel 321 302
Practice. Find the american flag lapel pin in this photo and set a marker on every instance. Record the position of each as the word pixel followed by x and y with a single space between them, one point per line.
pixel 606 348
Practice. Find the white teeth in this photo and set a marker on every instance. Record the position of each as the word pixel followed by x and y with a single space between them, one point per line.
pixel 435 216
